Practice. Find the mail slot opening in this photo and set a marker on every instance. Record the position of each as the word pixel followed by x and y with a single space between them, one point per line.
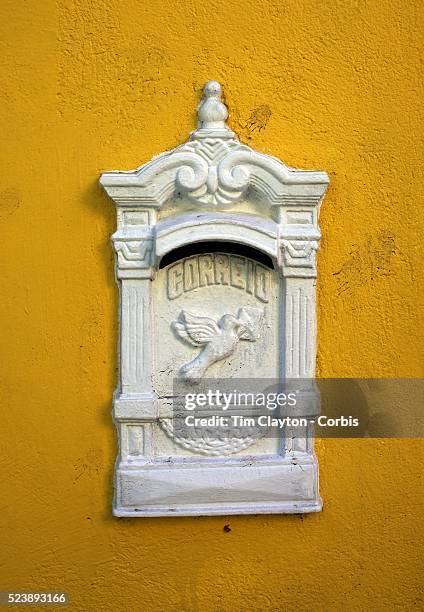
pixel 216 246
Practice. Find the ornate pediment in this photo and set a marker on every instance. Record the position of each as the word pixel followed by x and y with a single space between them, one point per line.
pixel 214 170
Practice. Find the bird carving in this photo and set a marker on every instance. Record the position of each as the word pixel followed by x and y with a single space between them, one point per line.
pixel 219 340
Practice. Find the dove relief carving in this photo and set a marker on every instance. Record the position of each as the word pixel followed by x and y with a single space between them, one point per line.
pixel 218 340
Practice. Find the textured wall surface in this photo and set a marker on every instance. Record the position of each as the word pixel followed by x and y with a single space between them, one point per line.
pixel 90 86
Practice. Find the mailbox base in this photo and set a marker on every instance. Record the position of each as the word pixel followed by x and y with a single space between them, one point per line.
pixel 249 486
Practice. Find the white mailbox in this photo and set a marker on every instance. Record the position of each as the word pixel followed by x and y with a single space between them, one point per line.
pixel 216 263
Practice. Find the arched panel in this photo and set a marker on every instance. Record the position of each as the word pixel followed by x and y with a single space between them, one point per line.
pixel 256 233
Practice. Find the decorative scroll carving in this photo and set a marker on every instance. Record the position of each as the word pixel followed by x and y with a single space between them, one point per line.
pixel 213 190
pixel 219 340
pixel 214 169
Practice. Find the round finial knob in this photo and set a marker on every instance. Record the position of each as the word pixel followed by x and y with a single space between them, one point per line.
pixel 212 88
pixel 211 112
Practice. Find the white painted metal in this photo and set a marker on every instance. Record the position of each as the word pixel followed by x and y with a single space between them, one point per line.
pixel 212 188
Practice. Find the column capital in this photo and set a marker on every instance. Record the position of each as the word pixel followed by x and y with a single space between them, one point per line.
pixel 297 247
pixel 134 253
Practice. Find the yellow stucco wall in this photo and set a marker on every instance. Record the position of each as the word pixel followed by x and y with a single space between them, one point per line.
pixel 89 86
